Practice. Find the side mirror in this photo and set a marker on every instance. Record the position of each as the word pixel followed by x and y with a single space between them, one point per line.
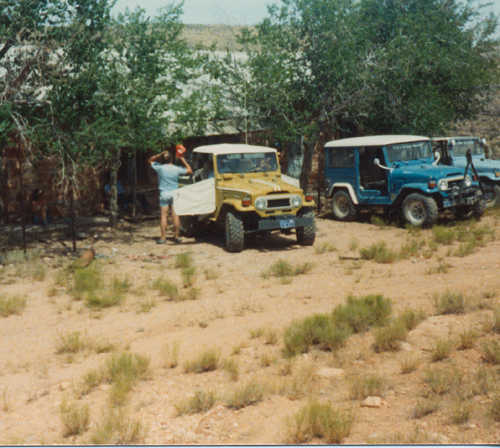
pixel 376 162
pixel 437 157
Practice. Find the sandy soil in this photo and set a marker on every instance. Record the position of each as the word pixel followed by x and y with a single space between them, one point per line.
pixel 236 307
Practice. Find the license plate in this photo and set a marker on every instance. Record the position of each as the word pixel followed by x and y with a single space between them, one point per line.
pixel 287 223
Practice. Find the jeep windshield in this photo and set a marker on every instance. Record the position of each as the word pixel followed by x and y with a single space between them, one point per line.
pixel 247 162
pixel 460 147
pixel 406 152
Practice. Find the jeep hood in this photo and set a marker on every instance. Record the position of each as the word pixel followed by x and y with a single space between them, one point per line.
pixel 425 171
pixel 258 186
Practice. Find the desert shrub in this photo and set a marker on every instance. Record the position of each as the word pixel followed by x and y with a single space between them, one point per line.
pixel 324 248
pixel 200 402
pixel 409 364
pixel 317 330
pixel 284 269
pixel 467 339
pixel 188 276
pixel 320 420
pixel 231 367
pixel 450 303
pixel 116 428
pixel 71 343
pixel 443 235
pixel 183 260
pixel 389 337
pixel 425 407
pixel 171 355
pixel 359 314
pixel 460 412
pixel 363 386
pixel 123 371
pixel 411 318
pixel 491 352
pixel 496 320
pixel 378 252
pixel 91 380
pixel 442 380
pixel 205 362
pixel 410 249
pixel 108 297
pixel 12 305
pixel 495 408
pixel 87 281
pixel 166 288
pixel 300 384
pixel 442 349
pixel 250 393
pixel 75 418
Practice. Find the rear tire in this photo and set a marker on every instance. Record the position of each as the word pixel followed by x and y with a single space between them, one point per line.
pixel 419 210
pixel 235 232
pixel 307 234
pixel 343 207
pixel 479 208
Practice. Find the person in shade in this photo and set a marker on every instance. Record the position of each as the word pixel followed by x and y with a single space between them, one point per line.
pixel 168 182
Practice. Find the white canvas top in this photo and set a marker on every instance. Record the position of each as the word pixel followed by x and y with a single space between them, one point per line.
pixel 374 140
pixel 232 148
pixel 458 137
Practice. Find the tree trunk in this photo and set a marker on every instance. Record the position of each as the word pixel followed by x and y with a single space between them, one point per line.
pixel 308 149
pixel 113 181
pixel 134 183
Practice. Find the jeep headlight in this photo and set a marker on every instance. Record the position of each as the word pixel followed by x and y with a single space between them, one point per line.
pixel 443 184
pixel 260 203
pixel 296 201
pixel 467 181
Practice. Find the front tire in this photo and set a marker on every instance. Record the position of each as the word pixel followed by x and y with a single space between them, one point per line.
pixel 493 194
pixel 189 226
pixel 479 208
pixel 343 207
pixel 419 210
pixel 235 232
pixel 307 234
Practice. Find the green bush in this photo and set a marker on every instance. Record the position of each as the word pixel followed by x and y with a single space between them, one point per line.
pixel 379 252
pixel 359 314
pixel 389 337
pixel 317 330
pixel 320 420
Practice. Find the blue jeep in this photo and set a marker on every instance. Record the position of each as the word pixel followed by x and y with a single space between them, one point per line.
pixel 396 173
pixel 453 152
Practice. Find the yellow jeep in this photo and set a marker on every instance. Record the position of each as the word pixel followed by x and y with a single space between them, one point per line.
pixel 240 187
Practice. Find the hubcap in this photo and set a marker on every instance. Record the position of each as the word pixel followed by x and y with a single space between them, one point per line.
pixel 341 206
pixel 416 211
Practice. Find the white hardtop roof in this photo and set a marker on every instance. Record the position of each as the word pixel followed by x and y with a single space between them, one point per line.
pixel 374 140
pixel 458 137
pixel 232 148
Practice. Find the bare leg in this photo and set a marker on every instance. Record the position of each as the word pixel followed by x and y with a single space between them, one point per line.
pixel 163 222
pixel 177 222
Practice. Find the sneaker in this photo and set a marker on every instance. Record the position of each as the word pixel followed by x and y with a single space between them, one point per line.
pixel 177 240
pixel 160 241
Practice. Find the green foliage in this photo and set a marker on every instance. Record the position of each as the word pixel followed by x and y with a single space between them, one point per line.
pixel 379 252
pixel 359 314
pixel 389 337
pixel 246 395
pixel 200 402
pixel 450 303
pixel 363 386
pixel 75 418
pixel 318 330
pixel 205 362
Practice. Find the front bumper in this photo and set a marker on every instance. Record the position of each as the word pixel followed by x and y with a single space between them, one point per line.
pixel 457 198
pixel 284 222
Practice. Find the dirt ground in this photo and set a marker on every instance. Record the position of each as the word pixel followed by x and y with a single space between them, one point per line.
pixel 235 308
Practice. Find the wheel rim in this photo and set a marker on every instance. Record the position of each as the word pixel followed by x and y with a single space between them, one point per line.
pixel 341 206
pixel 416 212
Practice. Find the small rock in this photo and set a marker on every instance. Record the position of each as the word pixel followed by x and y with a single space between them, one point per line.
pixel 327 372
pixel 372 402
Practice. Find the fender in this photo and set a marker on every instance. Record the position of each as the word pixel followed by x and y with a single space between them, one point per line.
pixel 349 189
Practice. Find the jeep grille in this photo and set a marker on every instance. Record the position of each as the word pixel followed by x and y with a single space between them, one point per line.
pixel 278 203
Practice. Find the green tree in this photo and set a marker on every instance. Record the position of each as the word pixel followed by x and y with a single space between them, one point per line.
pixel 433 62
pixel 148 96
pixel 307 69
